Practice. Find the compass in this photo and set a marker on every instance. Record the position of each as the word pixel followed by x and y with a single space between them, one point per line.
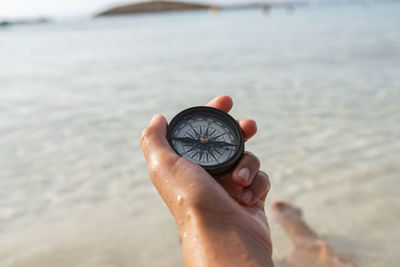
pixel 208 137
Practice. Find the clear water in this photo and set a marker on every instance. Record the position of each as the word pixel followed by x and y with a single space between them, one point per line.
pixel 323 84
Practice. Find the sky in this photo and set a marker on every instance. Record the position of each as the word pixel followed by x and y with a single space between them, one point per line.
pixel 52 8
pixel 61 8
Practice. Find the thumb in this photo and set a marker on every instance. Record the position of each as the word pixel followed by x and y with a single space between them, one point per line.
pixel 154 143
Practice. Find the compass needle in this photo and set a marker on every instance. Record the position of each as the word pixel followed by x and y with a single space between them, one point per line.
pixel 223 144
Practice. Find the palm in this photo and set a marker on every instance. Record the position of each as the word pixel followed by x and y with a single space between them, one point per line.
pixel 253 216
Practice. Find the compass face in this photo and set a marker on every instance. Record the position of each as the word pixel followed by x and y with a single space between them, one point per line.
pixel 208 137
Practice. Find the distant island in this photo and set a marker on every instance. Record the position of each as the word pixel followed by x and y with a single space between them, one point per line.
pixel 165 6
pixel 154 6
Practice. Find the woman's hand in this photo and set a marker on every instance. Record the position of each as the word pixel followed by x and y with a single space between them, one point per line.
pixel 222 222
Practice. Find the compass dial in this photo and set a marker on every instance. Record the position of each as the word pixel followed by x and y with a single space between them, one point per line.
pixel 208 137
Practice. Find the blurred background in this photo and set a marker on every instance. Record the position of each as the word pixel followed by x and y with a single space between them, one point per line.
pixel 322 79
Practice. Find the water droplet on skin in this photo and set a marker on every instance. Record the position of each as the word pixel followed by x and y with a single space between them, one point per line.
pixel 167 181
pixel 245 256
pixel 180 200
pixel 181 223
pixel 185 234
pixel 192 185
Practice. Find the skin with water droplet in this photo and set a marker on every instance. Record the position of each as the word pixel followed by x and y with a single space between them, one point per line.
pixel 180 200
pixel 245 256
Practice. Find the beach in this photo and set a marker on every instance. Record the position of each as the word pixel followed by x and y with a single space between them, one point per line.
pixel 322 82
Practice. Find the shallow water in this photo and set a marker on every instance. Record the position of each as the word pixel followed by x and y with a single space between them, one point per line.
pixel 322 82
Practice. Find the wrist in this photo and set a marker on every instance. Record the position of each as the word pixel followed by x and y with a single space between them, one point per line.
pixel 195 218
pixel 219 239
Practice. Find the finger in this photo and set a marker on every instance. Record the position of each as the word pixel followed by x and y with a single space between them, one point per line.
pixel 246 169
pixel 225 103
pixel 232 188
pixel 258 189
pixel 249 128
pixel 154 143
pixel 222 102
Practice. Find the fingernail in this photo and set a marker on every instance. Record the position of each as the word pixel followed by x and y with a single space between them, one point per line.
pixel 246 196
pixel 244 174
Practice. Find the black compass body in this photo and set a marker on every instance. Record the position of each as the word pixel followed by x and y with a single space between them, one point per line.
pixel 209 137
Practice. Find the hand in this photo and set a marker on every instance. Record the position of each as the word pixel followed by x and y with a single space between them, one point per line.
pixel 217 219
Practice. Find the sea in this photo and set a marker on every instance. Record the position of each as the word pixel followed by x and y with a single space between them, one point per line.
pixel 322 82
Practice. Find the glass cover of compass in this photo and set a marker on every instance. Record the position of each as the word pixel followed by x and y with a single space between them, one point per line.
pixel 209 137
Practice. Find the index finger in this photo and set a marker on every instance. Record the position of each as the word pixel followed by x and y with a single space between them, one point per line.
pixel 225 103
pixel 222 102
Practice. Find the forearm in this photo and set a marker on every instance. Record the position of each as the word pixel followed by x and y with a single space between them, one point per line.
pixel 210 243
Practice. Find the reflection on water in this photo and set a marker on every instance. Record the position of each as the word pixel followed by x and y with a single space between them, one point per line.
pixel 322 83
